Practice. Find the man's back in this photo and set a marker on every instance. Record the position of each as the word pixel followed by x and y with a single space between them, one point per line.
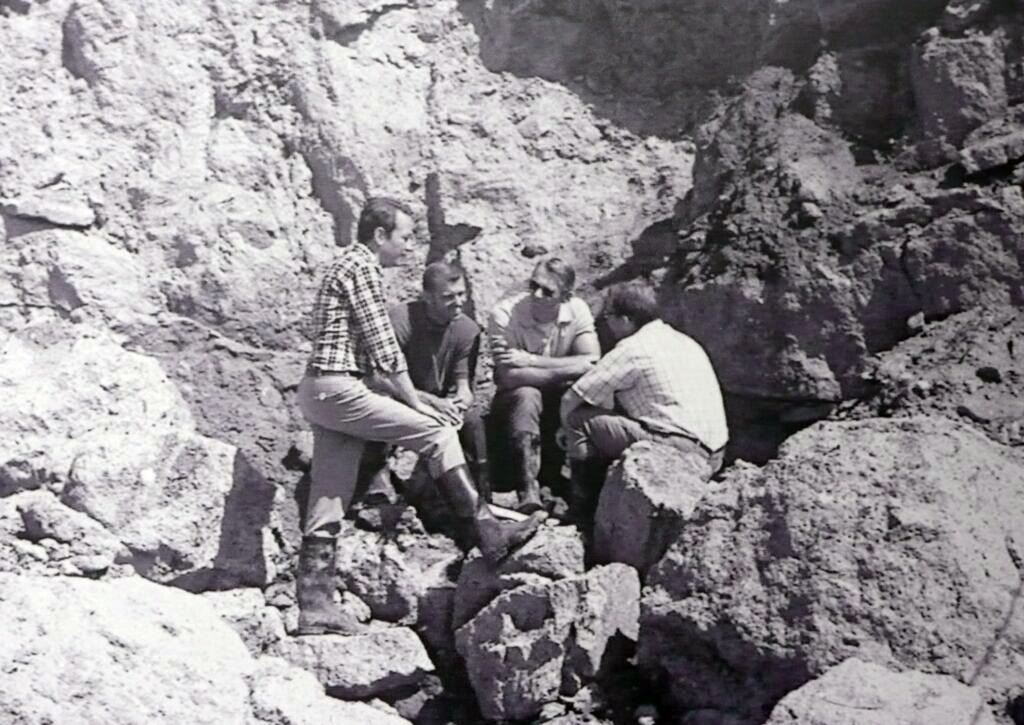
pixel 664 379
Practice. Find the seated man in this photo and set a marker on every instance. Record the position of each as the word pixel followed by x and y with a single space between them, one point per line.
pixel 440 345
pixel 656 384
pixel 542 341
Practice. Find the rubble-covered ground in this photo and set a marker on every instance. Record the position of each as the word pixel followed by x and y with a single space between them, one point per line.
pixel 828 196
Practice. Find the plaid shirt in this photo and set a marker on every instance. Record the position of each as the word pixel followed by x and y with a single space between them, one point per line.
pixel 351 328
pixel 663 379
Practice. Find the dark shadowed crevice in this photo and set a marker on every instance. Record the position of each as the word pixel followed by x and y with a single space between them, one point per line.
pixel 346 34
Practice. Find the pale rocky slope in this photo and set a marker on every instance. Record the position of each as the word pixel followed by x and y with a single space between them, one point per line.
pixel 828 195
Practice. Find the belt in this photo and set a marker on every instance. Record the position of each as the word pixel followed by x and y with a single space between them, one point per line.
pixel 315 372
pixel 703 446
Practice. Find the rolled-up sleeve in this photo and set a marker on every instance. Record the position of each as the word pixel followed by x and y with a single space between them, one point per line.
pixel 365 290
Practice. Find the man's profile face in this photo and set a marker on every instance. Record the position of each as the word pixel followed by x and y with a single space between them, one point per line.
pixel 397 243
pixel 446 301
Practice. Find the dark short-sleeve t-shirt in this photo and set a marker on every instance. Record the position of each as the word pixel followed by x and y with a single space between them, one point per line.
pixel 436 354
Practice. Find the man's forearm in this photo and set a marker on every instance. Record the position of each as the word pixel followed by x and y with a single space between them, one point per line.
pixel 537 377
pixel 580 362
pixel 401 388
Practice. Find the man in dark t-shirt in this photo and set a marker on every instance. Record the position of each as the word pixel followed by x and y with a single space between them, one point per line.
pixel 441 345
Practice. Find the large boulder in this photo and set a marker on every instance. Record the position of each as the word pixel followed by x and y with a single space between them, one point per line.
pixel 105 431
pixel 896 541
pixel 646 496
pixel 285 695
pixel 958 84
pixel 850 689
pixel 362 666
pixel 129 650
pixel 554 553
pixel 536 641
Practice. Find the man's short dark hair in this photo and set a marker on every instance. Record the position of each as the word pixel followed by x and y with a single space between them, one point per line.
pixel 635 300
pixel 562 271
pixel 379 211
pixel 439 273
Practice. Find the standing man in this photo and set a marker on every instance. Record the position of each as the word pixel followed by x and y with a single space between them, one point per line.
pixel 352 339
pixel 441 345
pixel 656 384
pixel 543 340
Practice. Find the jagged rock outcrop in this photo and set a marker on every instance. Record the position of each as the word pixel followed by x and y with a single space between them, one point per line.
pixel 647 495
pixel 894 541
pixel 851 689
pixel 106 432
pixel 130 650
pixel 535 641
pixel 967 367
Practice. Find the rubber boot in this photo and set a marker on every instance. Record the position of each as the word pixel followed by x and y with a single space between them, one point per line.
pixel 496 539
pixel 585 483
pixel 482 475
pixel 526 468
pixel 314 590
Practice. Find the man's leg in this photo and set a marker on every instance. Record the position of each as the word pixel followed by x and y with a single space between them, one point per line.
pixel 522 409
pixel 332 481
pixel 473 437
pixel 596 438
pixel 346 405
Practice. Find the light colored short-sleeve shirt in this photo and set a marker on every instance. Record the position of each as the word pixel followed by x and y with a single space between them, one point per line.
pixel 512 322
pixel 662 378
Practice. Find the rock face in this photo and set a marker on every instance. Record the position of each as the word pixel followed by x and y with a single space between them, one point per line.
pixel 834 202
pixel 848 690
pixel 106 432
pixel 646 496
pixel 538 640
pixel 892 541
pixel 122 652
pixel 181 177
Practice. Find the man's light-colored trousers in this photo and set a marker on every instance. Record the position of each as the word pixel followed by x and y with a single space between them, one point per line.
pixel 344 415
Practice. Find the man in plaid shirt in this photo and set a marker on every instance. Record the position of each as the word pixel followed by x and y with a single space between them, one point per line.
pixel 656 384
pixel 354 342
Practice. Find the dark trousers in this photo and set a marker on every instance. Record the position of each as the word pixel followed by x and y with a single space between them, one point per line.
pixel 516 411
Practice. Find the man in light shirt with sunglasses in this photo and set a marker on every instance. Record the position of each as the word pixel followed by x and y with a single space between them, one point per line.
pixel 542 341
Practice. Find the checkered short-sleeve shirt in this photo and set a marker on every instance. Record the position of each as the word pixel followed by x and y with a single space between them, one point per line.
pixel 663 379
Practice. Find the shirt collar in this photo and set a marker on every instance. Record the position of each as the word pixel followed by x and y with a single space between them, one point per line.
pixel 565 312
pixel 361 250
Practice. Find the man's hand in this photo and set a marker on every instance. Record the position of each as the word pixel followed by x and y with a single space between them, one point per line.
pixel 513 358
pixel 444 410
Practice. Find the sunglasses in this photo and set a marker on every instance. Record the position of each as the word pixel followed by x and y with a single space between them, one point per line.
pixel 544 291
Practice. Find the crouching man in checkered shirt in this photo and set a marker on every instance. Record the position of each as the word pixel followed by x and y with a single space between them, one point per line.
pixel 354 344
pixel 656 384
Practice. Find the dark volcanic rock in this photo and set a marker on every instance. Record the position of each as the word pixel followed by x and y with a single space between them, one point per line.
pixel 898 542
